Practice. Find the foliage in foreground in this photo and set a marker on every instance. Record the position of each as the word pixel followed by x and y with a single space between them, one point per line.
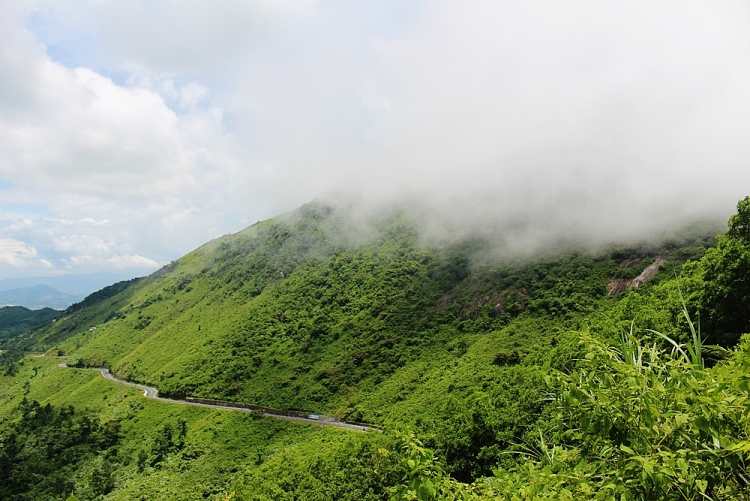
pixel 632 422
pixel 41 452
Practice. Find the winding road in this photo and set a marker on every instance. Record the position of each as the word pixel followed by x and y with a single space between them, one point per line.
pixel 153 394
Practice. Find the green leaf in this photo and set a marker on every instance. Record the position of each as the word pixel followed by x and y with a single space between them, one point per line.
pixel 627 449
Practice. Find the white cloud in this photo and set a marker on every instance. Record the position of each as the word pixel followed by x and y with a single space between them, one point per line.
pixel 22 224
pixel 97 138
pixel 137 128
pixel 15 253
pixel 134 261
pixel 80 244
pixel 98 170
pixel 192 94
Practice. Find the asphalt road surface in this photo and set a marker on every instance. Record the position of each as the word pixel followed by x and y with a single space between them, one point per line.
pixel 153 393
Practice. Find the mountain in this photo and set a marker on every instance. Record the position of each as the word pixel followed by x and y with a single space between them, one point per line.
pixel 39 296
pixel 79 285
pixel 465 354
pixel 15 320
pixel 293 313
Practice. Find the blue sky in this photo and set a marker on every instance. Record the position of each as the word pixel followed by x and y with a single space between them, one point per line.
pixel 133 132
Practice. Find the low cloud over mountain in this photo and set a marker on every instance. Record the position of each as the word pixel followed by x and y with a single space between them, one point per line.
pixel 130 134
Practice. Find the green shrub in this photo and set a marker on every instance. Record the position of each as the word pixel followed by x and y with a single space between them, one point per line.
pixel 637 423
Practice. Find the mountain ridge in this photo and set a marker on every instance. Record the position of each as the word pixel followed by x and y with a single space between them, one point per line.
pixel 74 284
pixel 38 296
pixel 297 313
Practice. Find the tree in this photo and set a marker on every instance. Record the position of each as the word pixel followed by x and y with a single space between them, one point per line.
pixel 102 479
pixel 726 276
pixel 162 445
pixel 739 224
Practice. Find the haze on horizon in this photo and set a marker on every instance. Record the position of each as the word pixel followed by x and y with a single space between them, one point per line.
pixel 133 132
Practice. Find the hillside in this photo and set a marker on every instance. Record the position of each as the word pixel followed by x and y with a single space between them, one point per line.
pixel 16 320
pixel 290 314
pixel 303 313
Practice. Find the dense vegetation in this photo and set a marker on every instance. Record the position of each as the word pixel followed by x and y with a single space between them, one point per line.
pixel 512 378
pixel 42 450
pixel 726 279
pixel 15 320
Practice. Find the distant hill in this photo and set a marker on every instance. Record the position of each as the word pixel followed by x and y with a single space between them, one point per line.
pixel 39 296
pixel 15 320
pixel 74 284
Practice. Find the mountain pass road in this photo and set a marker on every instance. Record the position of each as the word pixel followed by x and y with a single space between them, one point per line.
pixel 153 394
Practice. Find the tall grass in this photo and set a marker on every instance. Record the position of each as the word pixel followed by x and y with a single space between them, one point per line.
pixel 694 354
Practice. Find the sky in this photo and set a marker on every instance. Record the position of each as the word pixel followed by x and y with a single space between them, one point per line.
pixel 133 132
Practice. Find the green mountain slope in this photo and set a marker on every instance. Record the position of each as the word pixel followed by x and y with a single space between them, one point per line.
pixel 15 320
pixel 303 312
pixel 104 441
pixel 289 314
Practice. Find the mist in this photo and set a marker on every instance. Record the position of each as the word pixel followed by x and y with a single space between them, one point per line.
pixel 132 133
pixel 586 125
